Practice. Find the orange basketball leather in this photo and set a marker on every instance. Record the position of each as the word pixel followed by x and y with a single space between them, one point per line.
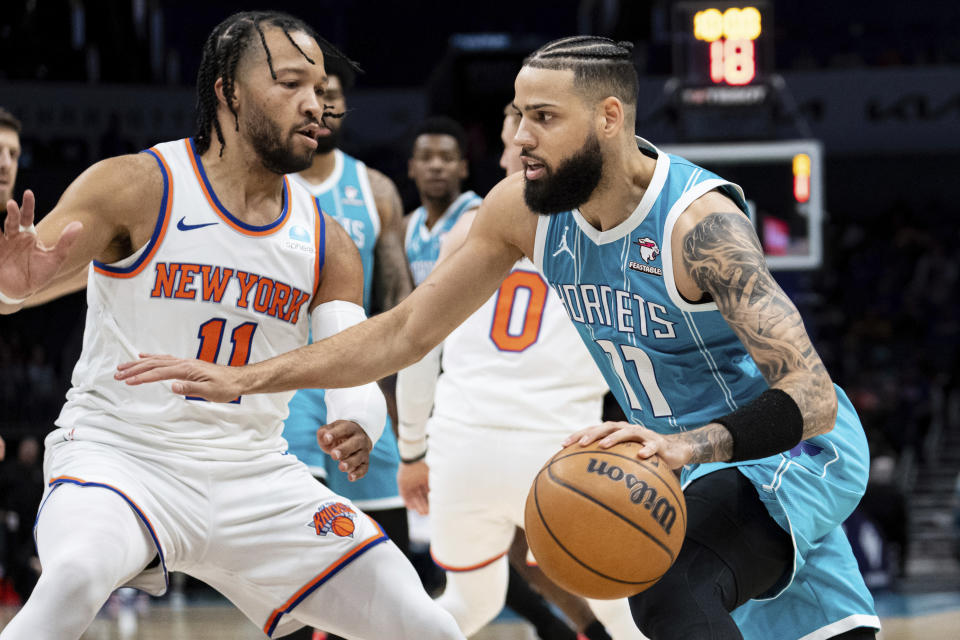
pixel 603 523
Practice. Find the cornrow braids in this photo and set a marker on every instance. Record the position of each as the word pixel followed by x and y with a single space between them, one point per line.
pixel 602 67
pixel 222 51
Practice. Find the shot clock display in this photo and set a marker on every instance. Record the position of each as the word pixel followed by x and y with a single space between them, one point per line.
pixel 722 51
pixel 783 183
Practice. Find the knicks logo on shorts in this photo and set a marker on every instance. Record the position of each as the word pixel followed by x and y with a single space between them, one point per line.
pixel 336 518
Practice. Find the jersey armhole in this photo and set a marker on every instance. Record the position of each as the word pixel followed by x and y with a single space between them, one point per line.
pixel 134 264
pixel 364 179
pixel 320 239
pixel 666 246
pixel 540 241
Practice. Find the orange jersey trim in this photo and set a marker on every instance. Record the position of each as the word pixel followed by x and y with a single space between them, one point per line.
pixel 320 241
pixel 221 211
pixel 271 625
pixel 133 505
pixel 473 567
pixel 159 230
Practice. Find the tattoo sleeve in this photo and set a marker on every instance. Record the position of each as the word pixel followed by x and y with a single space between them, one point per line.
pixel 723 256
pixel 711 443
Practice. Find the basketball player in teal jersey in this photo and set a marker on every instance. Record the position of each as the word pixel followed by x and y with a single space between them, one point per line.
pixel 367 205
pixel 662 273
pixel 194 245
pixel 438 166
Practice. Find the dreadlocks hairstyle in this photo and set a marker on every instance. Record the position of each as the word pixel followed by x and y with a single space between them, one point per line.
pixel 601 67
pixel 224 48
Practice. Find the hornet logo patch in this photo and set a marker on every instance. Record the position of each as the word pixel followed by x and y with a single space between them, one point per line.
pixel 336 518
pixel 649 251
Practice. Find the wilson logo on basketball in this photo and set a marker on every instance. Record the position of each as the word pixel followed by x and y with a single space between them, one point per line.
pixel 664 513
pixel 336 518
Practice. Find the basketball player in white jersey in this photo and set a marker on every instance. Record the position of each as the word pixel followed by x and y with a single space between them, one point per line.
pixel 235 267
pixel 515 381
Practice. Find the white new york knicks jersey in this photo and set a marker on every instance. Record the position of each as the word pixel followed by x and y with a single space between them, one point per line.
pixel 518 362
pixel 206 285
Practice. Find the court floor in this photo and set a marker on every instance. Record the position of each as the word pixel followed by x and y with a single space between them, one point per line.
pixel 924 616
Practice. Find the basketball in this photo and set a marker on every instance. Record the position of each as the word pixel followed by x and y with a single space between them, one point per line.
pixel 602 523
pixel 342 526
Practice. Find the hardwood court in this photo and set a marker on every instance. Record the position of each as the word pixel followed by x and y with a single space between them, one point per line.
pixel 221 621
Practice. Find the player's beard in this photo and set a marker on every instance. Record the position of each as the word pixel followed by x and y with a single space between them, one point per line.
pixel 267 139
pixel 569 185
pixel 327 143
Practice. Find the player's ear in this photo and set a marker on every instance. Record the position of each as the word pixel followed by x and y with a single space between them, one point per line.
pixel 221 96
pixel 463 170
pixel 410 168
pixel 611 116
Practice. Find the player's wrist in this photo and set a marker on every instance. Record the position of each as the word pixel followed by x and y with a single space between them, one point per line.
pixel 411 449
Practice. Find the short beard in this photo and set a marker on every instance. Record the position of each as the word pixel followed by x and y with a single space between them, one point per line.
pixel 267 138
pixel 570 185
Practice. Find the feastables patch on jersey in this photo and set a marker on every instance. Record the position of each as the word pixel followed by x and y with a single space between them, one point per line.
pixel 649 251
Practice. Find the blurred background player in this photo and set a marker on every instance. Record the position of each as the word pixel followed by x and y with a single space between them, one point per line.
pixel 9 161
pixel 438 166
pixel 367 205
pixel 515 381
pixel 9 154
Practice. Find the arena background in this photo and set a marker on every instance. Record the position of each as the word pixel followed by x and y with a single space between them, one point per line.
pixel 877 84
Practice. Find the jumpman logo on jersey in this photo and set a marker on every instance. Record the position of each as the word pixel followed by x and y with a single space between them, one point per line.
pixel 563 245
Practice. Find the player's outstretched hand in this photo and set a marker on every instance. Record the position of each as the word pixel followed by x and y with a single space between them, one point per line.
pixel 3 449
pixel 413 480
pixel 673 451
pixel 26 264
pixel 346 442
pixel 194 378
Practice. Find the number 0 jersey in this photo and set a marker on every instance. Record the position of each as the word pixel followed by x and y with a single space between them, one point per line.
pixel 206 285
pixel 518 363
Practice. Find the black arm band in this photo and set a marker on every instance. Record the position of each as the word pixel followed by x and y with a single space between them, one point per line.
pixel 769 425
pixel 414 458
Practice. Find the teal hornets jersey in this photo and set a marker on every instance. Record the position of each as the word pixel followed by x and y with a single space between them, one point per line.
pixel 676 365
pixel 671 364
pixel 346 196
pixel 422 244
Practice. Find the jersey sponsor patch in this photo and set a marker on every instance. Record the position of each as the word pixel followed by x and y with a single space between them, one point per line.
pixel 351 196
pixel 298 239
pixel 336 518
pixel 649 251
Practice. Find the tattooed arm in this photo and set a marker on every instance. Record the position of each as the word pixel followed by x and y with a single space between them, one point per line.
pixel 716 255
pixel 716 252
